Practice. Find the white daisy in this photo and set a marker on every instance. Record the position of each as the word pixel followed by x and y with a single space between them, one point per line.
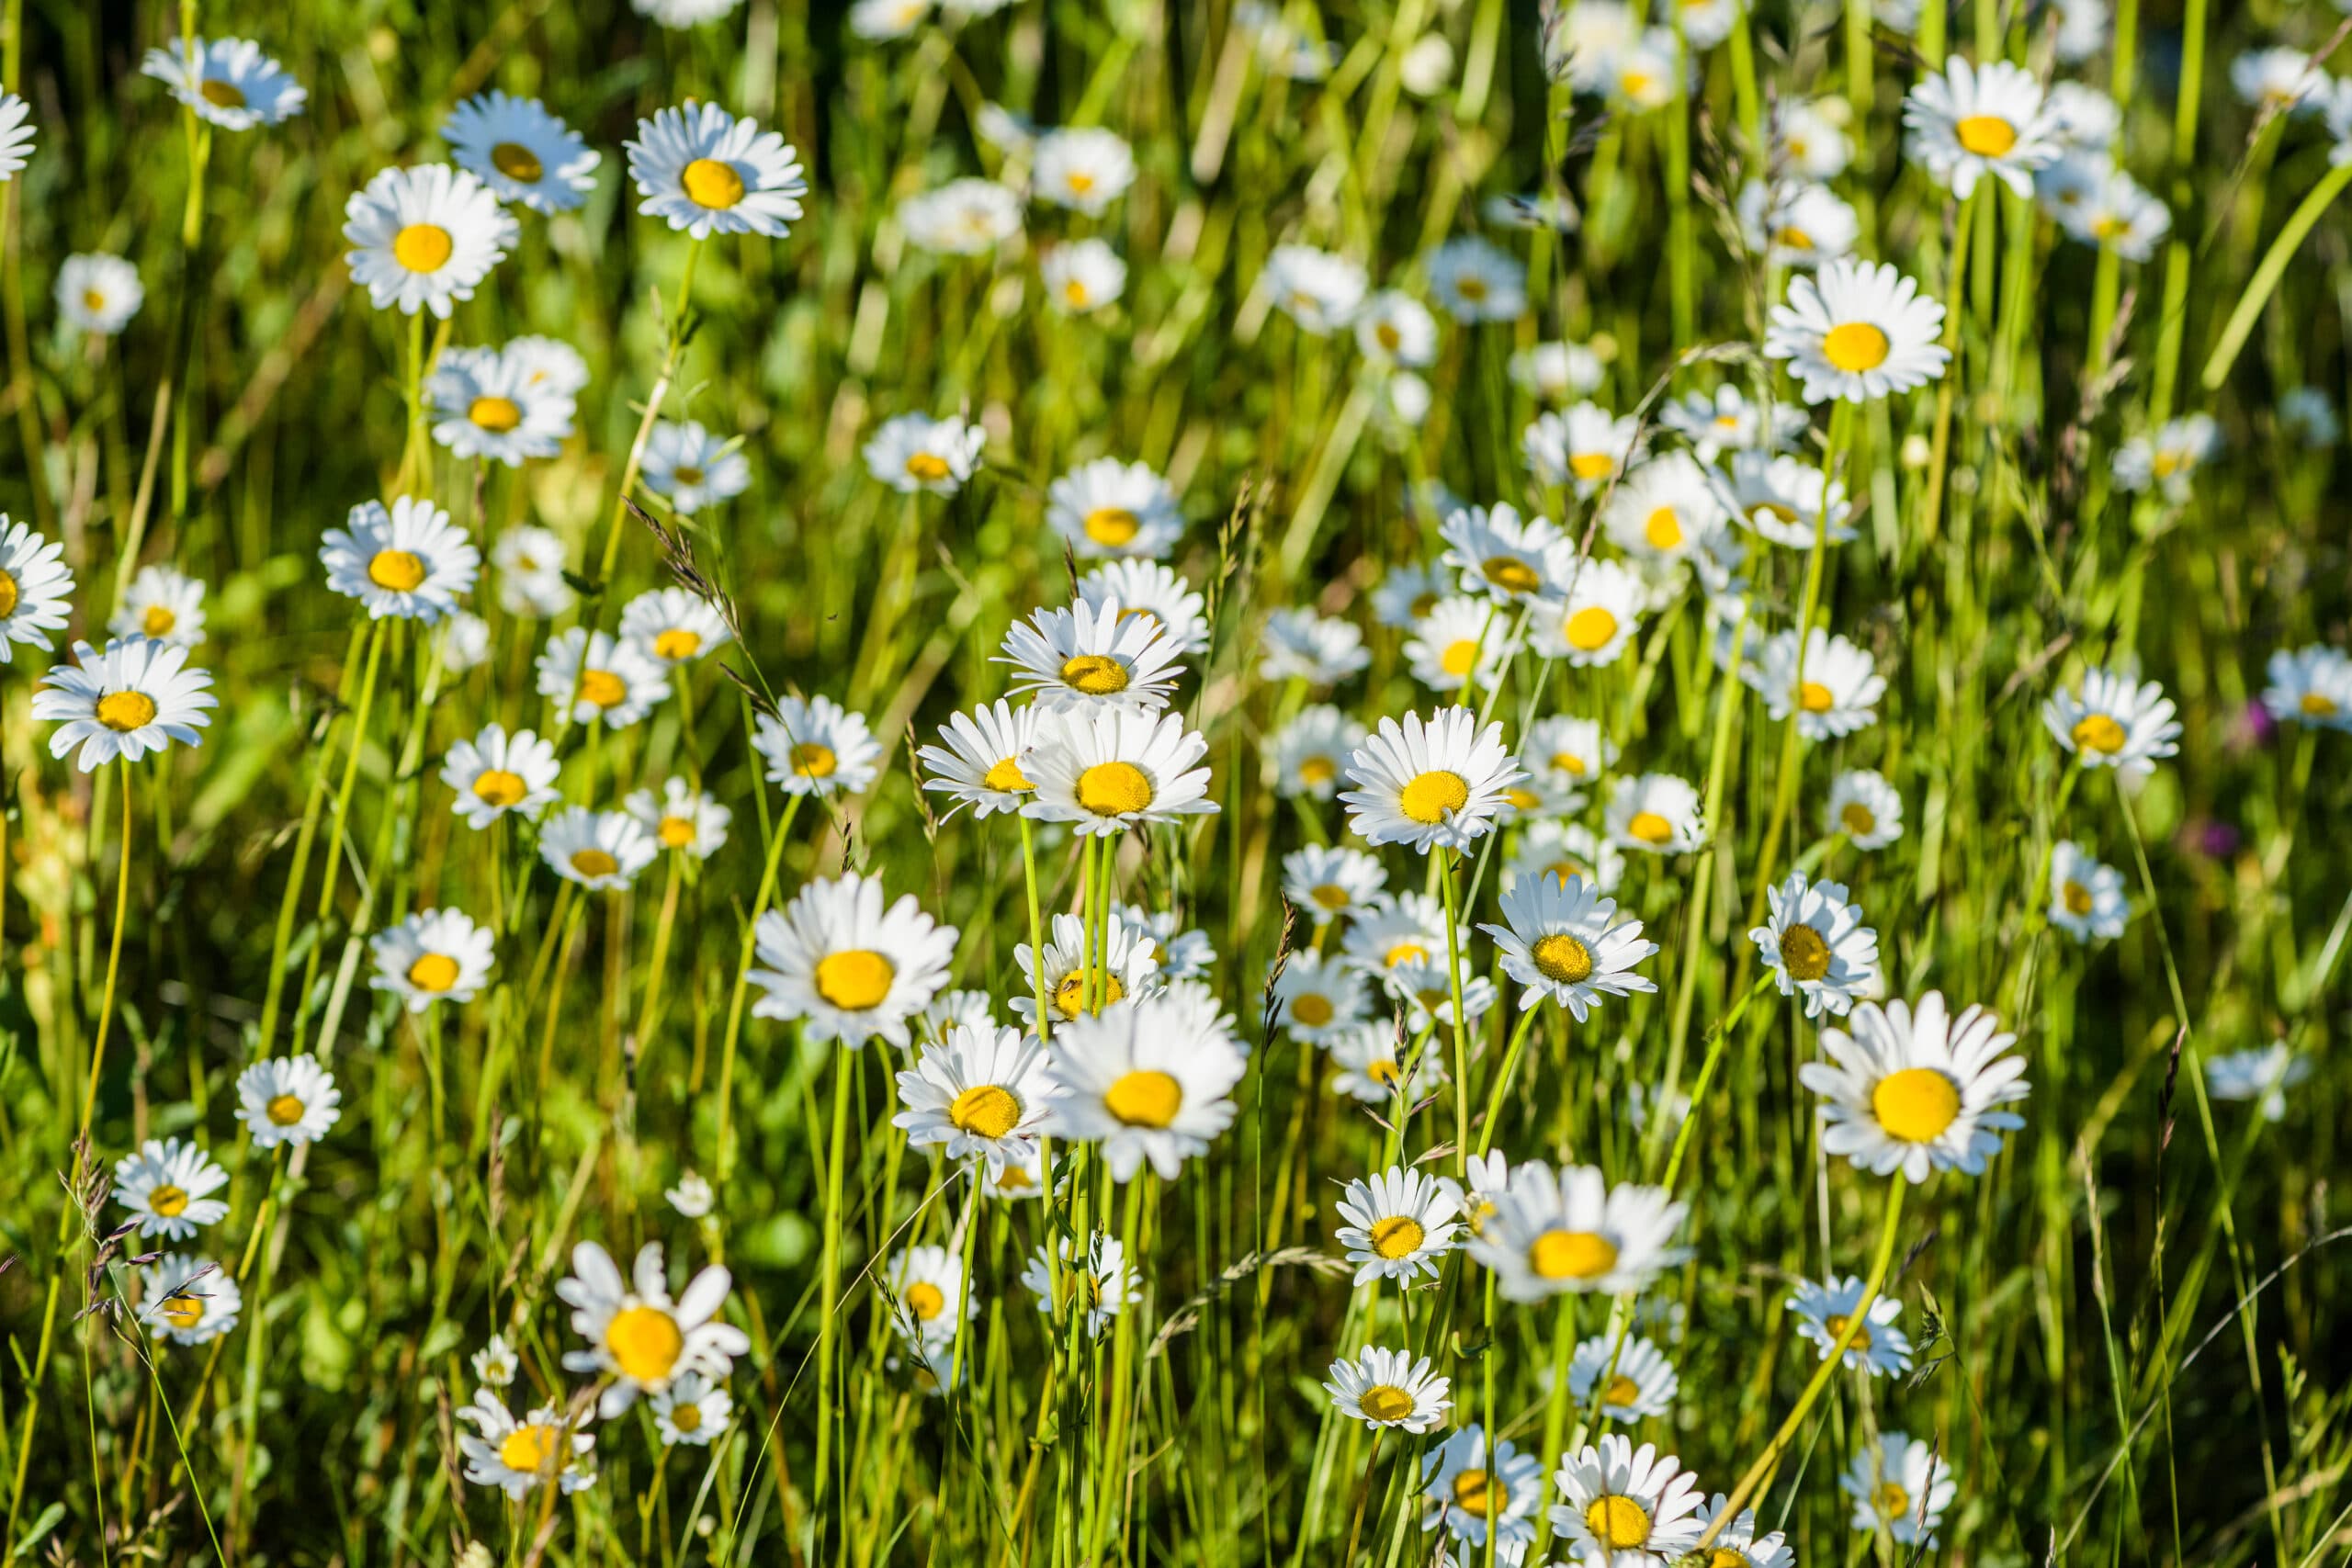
pixel 1782 499
pixel 496 772
pixel 424 238
pixel 1594 620
pixel 1373 1064
pixel 1110 508
pixel 690 468
pixel 1810 139
pixel 165 1185
pixel 1107 772
pixel 980 1093
pixel 228 81
pixel 495 1364
pixel 880 20
pixel 2119 216
pixel 1427 994
pixel 1147 591
pixel 2264 1074
pixel 2311 686
pixel 1562 942
pixel 2082 117
pixel 1082 274
pixel 817 747
pixel 979 761
pixel 1915 1089
pixel 1902 1486
pixel 2114 722
pixel 1823 1310
pixel 1406 928
pixel 1433 785
pixel 486 405
pixel 915 452
pixel 1857 331
pixel 925 1285
pixel 1394 328
pixel 1581 445
pixel 548 363
pixel 1976 121
pixel 1317 998
pixel 1563 850
pixel 637 1335
pixel 963 218
pixel 1645 74
pixel 1332 881
pixel 521 151
pixel 531 562
pixel 433 955
pixel 1144 1081
pixel 1656 813
pixel 1726 422
pixel 1625 1507
pixel 1182 952
pixel 188 1300
pixel 693 1409
pixel 675 625
pixel 1471 1491
pixel 1864 807
pixel 1556 372
pixel 138 696
pixel 1641 1382
pixel 287 1099
pixel 36 591
pixel 682 817
pixel 98 293
pixel 1082 168
pixel 1477 280
pixel 1299 645
pixel 2169 460
pixel 849 969
pixel 692 1197
pixel 1462 641
pixel 702 171
pixel 515 1456
pixel 1387 1388
pixel 1102 1286
pixel 1797 223
pixel 2280 79
pixel 1123 967
pixel 1664 510
pixel 1489 1178
pixel 1816 946
pixel 1318 290
pixel 16 135
pixel 1499 555
pixel 2086 898
pixel 1092 658
pixel 600 851
pixel 1025 1177
pixel 1834 694
pixel 410 562
pixel 597 676
pixel 1574 1232
pixel 1399 1225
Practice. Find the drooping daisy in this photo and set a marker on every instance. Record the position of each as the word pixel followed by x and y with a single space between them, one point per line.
pixel 817 747
pixel 1663 509
pixel 1429 784
pixel 1084 168
pixel 980 1093
pixel 1915 1090
pixel 1816 946
pixel 1563 850
pixel 36 590
pixel 433 955
pixel 2114 722
pixel 637 1335
pixel 516 1455
pixel 1902 1486
pixel 164 1187
pixel 1562 942
pixel 1475 280
pixel 1857 331
pixel 597 676
pixel 98 293
pixel 2086 898
pixel 1574 1232
pixel 1582 445
pixel 1318 290
pixel 979 761
pixel 486 406
pixel 1471 1489
pixel 1726 422
pixel 601 851
pixel 1557 372
pixel 1395 328
pixel 690 466
pixel 925 1285
pixel 1975 121
pixel 1373 1061
pixel 2264 1074
pixel 1399 1225
pixel 1625 1507
pixel 1160 596
pixel 1332 881
pixel 1145 1082
pixel 410 562
pixel 1641 1382
pixel 682 817
pixel 423 237
pixel 521 151
pixel 1500 556
pixel 1083 274
pixel 496 772
pixel 963 218
pixel 1830 688
pixel 1864 807
pixel 1123 967
pixel 189 1299
pixel 1100 1285
pixel 704 172
pixel 228 81
pixel 287 1099
pixel 1796 224
pixel 1784 499
pixel 138 696
pixel 1104 773
pixel 1463 641
pixel 1299 645
pixel 1110 508
pixel 1092 658
pixel 1823 1309
pixel 693 1409
pixel 1387 1388
pixel 531 562
pixel 1593 622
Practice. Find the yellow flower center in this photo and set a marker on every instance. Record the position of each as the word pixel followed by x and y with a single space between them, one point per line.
pixel 985 1110
pixel 1803 954
pixel 925 1300
pixel 125 711
pixel 1590 629
pixel 1568 762
pixel 1623 1391
pixel 1565 867
pixel 182 1311
pixel 710 183
pixel 1386 1072
pixel 285 1110
pixel 1771 512
pixel 928 467
pixel 855 979
pixel 1571 1255
pixel 1794 239
pixel 1724 1557
pixel 168 1201
pixel 1814 697
pixel 1318 770
pixel 1387 336
pixel 1618 1523
pixel 1112 525
pixel 1650 827
pixel 1431 796
pixel 2077 899
pixel 497 415
pixel 594 863
pixel 601 688
pixel 399 571
pixel 526 1449
pixel 1663 528
pixel 2097 732
pixel 687 1417
pixel 644 1342
pixel 675 832
pixel 423 247
pixel 1477 1492
pixel 1562 957
pixel 1511 574
pixel 813 760
pixel 1858 818
pixel 1385 1402
pixel 2317 706
pixel 678 642
pixel 156 620
pixel 1079 181
pixel 10 594
pixel 1069 996
pixel 1986 135
pixel 1312 1010
pixel 1114 789
pixel 1096 674
pixel 1892 1501
pixel 2109 226
pixel 1459 655
pixel 1329 895
pixel 434 972
pixel 1397 1237
pixel 1007 776
pixel 1404 953
pixel 1523 798
pixel 1854 346
pixel 1471 289
pixel 1145 1099
pixel 1075 292
pixel 1916 1104
pixel 1837 1325
pixel 220 95
pixel 684 474
pixel 1013 1179
pixel 517 162
pixel 495 786
pixel 1591 466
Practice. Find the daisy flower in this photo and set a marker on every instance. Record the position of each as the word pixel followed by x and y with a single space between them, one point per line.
pixel 496 772
pixel 1332 881
pixel 704 172
pixel 1408 927
pixel 1816 946
pixel 1182 953
pixel 1594 620
pixel 1372 1066
pixel 16 134
pixel 1663 509
pixel 1399 1225
pixel 1463 641
pixel 1092 658
pixel 287 1099
pixel 1319 291
pixel 495 1364
pixel 600 851
pixel 189 1301
pixel 1082 276
pixel 1901 1486
pixel 1786 501
pixel 1471 1489
pixel 548 365
pixel 1110 508
pixel 1561 851
pixel 1123 958
pixel 138 696
pixel 880 20
pixel 1857 331
pixel 1299 645
pixel 597 676
pixel 423 237
pixel 690 468
pixel 1625 1507
pixel 1724 422
pixel 1108 772
pixel 1434 784
pixel 1641 1382
pixel 432 956
pixel 2264 1074
pixel 1499 555
pixel 1556 372
pixel 1810 137
pixel 851 970
pixel 1561 941
pixel 1101 1287
pixel 2086 898
pixel 1656 813
pixel 1489 1177
pixel 1574 1232
pixel 926 1286
pixel 1389 1388
pixel 2280 79
pixel 1643 73
pixel 165 1185
pixel 817 747
pixel 2117 214
pixel 694 1410
pixel 515 1456
pixel 2082 117
pixel 485 405
pixel 521 151
pixel 1973 121
pixel 1083 168
pixel 682 817
pixel 675 625
pixel 1317 999
pixel 963 218
pixel 2312 686
pixel 98 293
pixel 692 1197
pixel 1796 224
pixel 410 562
pixel 1408 593
pixel 1580 445
pixel 1142 1081
pixel 1823 1310
pixel 1428 994
pixel 1477 280
pixel 228 81
pixel 1156 594
pixel 2168 460
pixel 980 1093
pixel 36 591
pixel 1864 807
pixel 979 761
pixel 1838 687
pixel 1396 329
pixel 637 1336
pixel 915 452
pixel 463 640
pixel 530 569
pixel 1915 1090
pixel 2114 722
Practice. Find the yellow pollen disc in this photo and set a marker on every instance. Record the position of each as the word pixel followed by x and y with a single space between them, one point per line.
pixel 1591 466
pixel 1523 799
pixel 526 1450
pixel 1619 1523
pixel 1387 336
pixel 2317 706
pixel 2097 732
pixel 1459 655
pixel 925 1301
pixel 1562 957
pixel 1794 239
pixel 517 162
pixel 284 1110
pixel 813 761
pixel 1724 1557
pixel 423 247
pixel 1858 818
pixel 985 1110
pixel 1916 1104
pixel 1568 762
pixel 1650 827
pixel 1432 795
pixel 677 643
pixel 1096 674
pixel 1323 769
pixel 1385 1073
pixel 594 863
pixel 1571 1255
pixel 1145 1099
pixel 687 1417
pixel 1854 346
pixel 1634 83
pixel 2110 228
pixel 684 473
pixel 184 1311
pixel 1511 574
pixel 220 95
pixel 2077 899
pixel 125 711
pixel 1329 895
pixel 167 1201
pixel 1803 954
pixel 2167 464
pixel 710 183
pixel 645 1343
pixel 156 621
pixel 1423 605
pixel 1623 1391
pixel 1013 1179
pixel 1564 869
pixel 1471 289
pixel 1814 697
pixel 1079 181
pixel 1114 789
pixel 1397 1237
pixel 434 972
pixel 1311 1009
pixel 399 571
pixel 1590 630
pixel 1663 528
pixel 1385 1402
pixel 1837 1325
pixel 1007 776
pixel 601 688
pixel 1476 1492
pixel 928 467
pixel 1404 953
pixel 1771 512
pixel 1986 135
pixel 1069 996
pixel 495 786
pixel 675 832
pixel 1891 1501
pixel 497 415
pixel 1112 525
pixel 10 594
pixel 855 979
pixel 1075 292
